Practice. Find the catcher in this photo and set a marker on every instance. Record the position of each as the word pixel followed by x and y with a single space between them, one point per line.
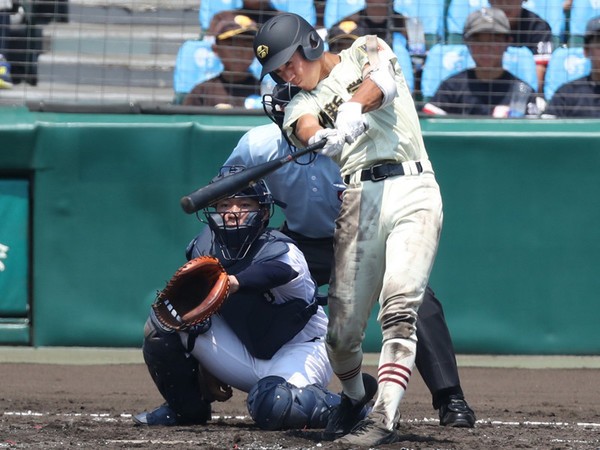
pixel 267 337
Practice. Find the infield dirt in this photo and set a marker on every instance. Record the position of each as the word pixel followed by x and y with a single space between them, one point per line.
pixel 55 406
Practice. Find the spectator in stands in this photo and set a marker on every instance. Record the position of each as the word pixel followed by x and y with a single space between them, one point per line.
pixel 378 17
pixel 528 30
pixel 342 35
pixel 5 10
pixel 235 86
pixel 581 97
pixel 258 10
pixel 320 13
pixel 487 88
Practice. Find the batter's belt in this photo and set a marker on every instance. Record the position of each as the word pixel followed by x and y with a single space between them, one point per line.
pixel 379 172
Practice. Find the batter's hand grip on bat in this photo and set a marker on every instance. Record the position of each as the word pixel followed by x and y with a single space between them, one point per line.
pixel 230 185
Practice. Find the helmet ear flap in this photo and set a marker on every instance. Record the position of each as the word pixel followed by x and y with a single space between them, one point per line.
pixel 313 46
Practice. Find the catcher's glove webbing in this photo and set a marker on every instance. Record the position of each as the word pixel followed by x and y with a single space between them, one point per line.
pixel 194 293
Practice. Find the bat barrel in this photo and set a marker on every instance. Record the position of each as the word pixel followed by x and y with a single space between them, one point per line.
pixel 230 185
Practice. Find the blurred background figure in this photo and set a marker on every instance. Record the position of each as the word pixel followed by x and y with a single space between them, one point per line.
pixel 378 17
pixel 528 30
pixel 581 97
pixel 342 35
pixel 5 11
pixel 487 89
pixel 235 86
pixel 258 11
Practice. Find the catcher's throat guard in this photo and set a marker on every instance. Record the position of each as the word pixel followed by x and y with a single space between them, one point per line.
pixel 194 293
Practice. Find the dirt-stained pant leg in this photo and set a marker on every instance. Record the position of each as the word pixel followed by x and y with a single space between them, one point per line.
pixel 355 283
pixel 386 241
pixel 412 242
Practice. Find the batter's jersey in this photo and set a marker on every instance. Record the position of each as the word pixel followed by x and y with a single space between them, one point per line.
pixel 394 132
pixel 310 190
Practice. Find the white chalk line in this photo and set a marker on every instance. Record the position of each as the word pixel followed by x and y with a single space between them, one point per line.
pixel 109 418
pixel 126 416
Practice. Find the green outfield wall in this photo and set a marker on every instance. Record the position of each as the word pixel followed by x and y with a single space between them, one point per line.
pixel 91 227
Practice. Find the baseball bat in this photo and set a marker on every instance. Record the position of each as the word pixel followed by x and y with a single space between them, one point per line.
pixel 227 186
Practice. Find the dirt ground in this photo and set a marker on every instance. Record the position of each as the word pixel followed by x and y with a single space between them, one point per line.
pixel 50 406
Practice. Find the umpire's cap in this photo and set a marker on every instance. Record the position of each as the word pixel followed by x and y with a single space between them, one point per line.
pixel 281 36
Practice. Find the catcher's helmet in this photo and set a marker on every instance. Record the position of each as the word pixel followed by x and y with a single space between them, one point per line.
pixel 274 104
pixel 280 37
pixel 235 240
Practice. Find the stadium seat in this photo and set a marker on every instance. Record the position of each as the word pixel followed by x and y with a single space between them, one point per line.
pixel 336 10
pixel 304 8
pixel 520 62
pixel 445 60
pixel 208 8
pixel 195 63
pixel 581 12
pixel 429 12
pixel 404 59
pixel 566 64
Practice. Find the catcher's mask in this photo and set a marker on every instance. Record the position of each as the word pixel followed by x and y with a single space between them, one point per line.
pixel 274 104
pixel 280 37
pixel 235 231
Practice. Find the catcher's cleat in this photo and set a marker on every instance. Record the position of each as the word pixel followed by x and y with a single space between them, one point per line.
pixel 369 433
pixel 457 413
pixel 163 415
pixel 348 413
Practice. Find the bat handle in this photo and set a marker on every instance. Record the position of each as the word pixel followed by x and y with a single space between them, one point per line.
pixel 309 148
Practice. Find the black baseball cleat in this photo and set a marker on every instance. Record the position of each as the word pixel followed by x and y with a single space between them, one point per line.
pixel 347 414
pixel 163 415
pixel 457 413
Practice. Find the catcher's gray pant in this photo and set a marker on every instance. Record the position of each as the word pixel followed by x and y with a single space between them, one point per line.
pixel 222 353
pixel 385 241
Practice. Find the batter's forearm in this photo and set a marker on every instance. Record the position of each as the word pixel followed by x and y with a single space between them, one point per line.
pixel 306 127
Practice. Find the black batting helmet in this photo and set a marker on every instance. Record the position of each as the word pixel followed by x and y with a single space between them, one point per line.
pixel 280 37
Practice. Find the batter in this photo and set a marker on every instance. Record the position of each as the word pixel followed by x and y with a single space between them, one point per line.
pixel 388 228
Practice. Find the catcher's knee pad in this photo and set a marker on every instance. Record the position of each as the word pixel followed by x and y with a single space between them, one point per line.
pixel 176 375
pixel 275 404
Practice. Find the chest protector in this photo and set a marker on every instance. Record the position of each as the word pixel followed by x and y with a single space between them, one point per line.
pixel 262 326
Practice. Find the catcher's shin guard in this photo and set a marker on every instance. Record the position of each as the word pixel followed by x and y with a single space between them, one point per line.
pixel 275 404
pixel 176 374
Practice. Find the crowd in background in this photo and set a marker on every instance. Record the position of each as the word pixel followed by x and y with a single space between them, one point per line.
pixel 522 65
pixel 500 62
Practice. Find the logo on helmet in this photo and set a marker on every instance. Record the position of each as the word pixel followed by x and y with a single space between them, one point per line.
pixel 262 51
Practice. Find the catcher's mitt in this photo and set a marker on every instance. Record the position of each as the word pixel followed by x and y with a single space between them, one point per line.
pixel 194 293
